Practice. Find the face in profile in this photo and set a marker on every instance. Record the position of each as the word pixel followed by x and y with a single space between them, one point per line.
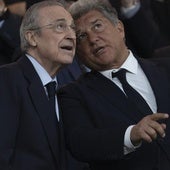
pixel 55 45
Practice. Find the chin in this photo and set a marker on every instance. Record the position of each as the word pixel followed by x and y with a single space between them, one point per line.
pixel 69 61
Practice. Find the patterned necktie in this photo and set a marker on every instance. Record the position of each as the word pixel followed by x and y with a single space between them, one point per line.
pixel 133 96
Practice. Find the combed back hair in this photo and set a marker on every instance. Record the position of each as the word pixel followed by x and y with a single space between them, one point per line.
pixel 30 20
pixel 82 7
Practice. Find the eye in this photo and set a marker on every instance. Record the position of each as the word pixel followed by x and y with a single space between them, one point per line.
pixel 81 37
pixel 60 26
pixel 98 26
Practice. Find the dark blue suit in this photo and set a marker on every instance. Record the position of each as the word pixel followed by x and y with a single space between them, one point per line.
pixel 69 73
pixel 27 134
pixel 96 115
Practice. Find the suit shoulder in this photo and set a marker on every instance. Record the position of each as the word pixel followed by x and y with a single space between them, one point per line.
pixel 10 71
pixel 80 83
pixel 162 62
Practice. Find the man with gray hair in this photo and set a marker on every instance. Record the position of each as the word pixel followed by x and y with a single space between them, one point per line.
pixel 30 123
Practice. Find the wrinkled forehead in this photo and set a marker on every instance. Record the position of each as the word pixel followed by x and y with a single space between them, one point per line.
pixel 89 19
pixel 52 13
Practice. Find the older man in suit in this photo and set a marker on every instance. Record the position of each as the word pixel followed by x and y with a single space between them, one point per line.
pixel 30 122
pixel 116 116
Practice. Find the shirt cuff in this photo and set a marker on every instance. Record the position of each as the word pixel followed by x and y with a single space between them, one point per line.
pixel 128 146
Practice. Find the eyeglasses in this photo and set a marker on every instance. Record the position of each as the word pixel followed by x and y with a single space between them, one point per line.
pixel 97 27
pixel 59 26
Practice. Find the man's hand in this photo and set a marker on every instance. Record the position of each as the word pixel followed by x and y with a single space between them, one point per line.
pixel 148 129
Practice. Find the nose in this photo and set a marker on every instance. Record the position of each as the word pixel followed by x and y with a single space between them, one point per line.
pixel 92 38
pixel 71 33
pixel 71 38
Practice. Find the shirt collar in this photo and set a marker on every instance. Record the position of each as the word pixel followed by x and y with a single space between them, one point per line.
pixel 130 64
pixel 43 74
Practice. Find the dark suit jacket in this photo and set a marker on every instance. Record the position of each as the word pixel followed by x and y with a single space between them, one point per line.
pixel 162 52
pixel 27 133
pixel 96 115
pixel 9 37
pixel 69 73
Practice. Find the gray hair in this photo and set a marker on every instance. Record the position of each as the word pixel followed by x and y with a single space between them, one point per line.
pixel 31 20
pixel 82 7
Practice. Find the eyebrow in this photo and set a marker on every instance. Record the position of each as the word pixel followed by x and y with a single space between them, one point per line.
pixel 63 19
pixel 91 23
pixel 60 19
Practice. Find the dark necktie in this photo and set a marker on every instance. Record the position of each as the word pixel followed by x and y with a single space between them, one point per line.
pixel 133 96
pixel 53 123
pixel 51 89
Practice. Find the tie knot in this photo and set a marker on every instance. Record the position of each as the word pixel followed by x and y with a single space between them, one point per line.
pixel 51 89
pixel 121 74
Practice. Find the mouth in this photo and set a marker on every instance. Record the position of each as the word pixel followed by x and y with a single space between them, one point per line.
pixel 67 48
pixel 98 51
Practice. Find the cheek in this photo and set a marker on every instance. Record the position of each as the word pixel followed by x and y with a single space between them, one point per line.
pixel 82 54
pixel 53 45
pixel 83 50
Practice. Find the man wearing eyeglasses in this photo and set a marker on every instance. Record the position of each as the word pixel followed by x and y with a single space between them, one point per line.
pixel 30 123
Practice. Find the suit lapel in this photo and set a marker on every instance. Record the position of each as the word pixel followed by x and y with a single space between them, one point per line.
pixel 40 102
pixel 113 95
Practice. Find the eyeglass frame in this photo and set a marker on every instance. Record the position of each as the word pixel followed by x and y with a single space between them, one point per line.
pixel 54 25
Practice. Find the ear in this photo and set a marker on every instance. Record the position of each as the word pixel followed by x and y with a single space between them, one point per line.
pixel 30 36
pixel 120 28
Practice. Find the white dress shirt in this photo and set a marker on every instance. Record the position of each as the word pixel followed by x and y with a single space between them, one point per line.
pixel 45 79
pixel 138 80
